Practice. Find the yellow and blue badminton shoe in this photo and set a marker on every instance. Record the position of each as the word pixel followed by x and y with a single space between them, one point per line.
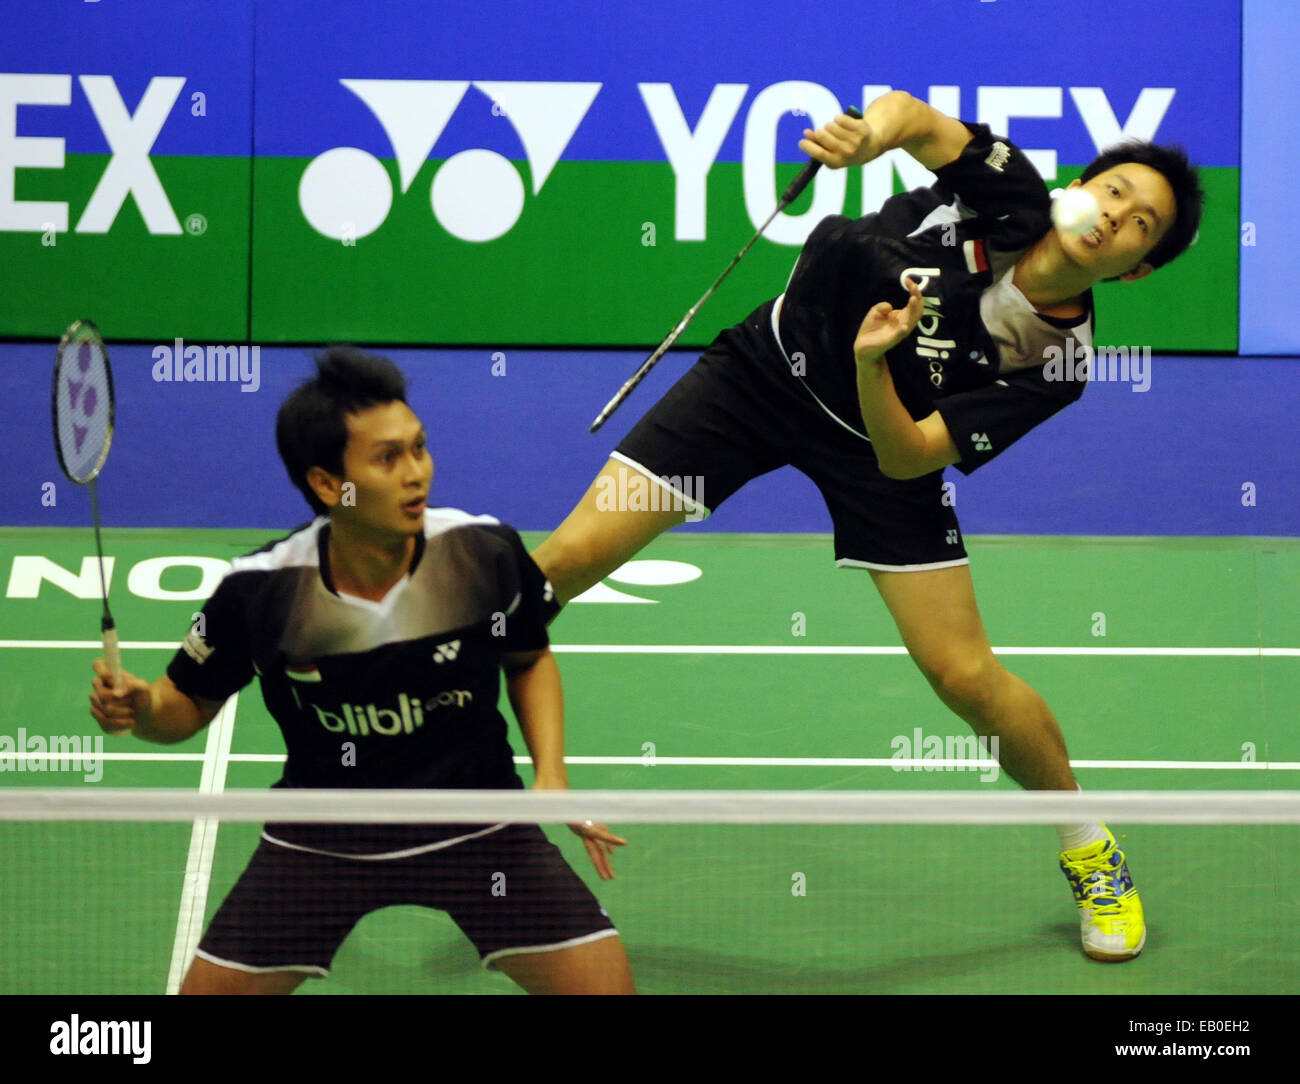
pixel 1110 913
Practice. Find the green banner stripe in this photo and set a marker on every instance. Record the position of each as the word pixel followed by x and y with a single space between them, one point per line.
pixel 590 261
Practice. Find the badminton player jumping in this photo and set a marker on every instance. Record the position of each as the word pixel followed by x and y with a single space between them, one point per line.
pixel 908 341
pixel 379 633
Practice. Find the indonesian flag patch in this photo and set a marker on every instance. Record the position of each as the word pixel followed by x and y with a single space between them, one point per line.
pixel 976 260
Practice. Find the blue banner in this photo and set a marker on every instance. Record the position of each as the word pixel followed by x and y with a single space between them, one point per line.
pixel 1060 77
pixel 209 46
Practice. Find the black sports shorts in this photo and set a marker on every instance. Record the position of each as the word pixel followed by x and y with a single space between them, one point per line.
pixel 510 891
pixel 739 413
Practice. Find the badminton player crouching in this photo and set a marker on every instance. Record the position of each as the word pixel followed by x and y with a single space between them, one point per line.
pixel 378 632
pixel 931 334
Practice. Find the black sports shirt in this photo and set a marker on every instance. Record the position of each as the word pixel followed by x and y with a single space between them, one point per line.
pixel 978 353
pixel 398 693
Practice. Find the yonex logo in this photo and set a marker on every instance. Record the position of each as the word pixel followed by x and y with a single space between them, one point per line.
pixel 982 442
pixel 81 399
pixel 447 652
pixel 953 536
pixel 28 573
pixel 477 195
pixel 130 138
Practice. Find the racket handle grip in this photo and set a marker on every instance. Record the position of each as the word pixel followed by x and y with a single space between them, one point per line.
pixel 112 653
pixel 796 187
pixel 805 175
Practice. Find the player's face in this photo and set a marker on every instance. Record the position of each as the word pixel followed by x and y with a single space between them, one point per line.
pixel 388 461
pixel 1137 209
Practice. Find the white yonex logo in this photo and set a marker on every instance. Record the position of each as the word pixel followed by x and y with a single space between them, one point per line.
pixel 33 576
pixel 447 652
pixel 982 442
pixel 130 138
pixel 952 537
pixel 345 193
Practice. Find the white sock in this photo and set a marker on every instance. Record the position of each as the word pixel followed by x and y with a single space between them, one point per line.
pixel 1080 835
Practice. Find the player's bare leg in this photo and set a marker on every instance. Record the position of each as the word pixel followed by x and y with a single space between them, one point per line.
pixel 595 539
pixel 936 613
pixel 205 977
pixel 598 967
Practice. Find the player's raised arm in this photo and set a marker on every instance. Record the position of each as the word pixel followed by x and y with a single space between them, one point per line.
pixel 893 120
pixel 904 448
pixel 158 713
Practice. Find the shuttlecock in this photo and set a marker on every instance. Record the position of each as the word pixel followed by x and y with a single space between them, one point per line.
pixel 1074 210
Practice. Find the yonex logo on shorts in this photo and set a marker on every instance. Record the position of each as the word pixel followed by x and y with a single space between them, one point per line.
pixel 982 442
pixel 447 652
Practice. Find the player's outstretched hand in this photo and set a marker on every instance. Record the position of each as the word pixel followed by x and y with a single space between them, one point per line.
pixel 600 843
pixel 117 710
pixel 599 840
pixel 885 327
pixel 845 141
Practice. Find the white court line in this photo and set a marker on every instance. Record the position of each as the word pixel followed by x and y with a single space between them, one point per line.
pixel 134 645
pixel 741 762
pixel 203 842
pixel 772 649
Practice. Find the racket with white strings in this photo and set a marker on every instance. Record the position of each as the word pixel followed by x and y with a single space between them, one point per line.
pixel 83 409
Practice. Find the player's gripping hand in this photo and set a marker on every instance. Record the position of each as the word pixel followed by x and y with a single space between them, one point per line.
pixel 845 141
pixel 117 710
pixel 599 840
pixel 884 326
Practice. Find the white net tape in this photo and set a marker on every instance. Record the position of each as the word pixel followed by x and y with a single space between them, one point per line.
pixel 654 807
